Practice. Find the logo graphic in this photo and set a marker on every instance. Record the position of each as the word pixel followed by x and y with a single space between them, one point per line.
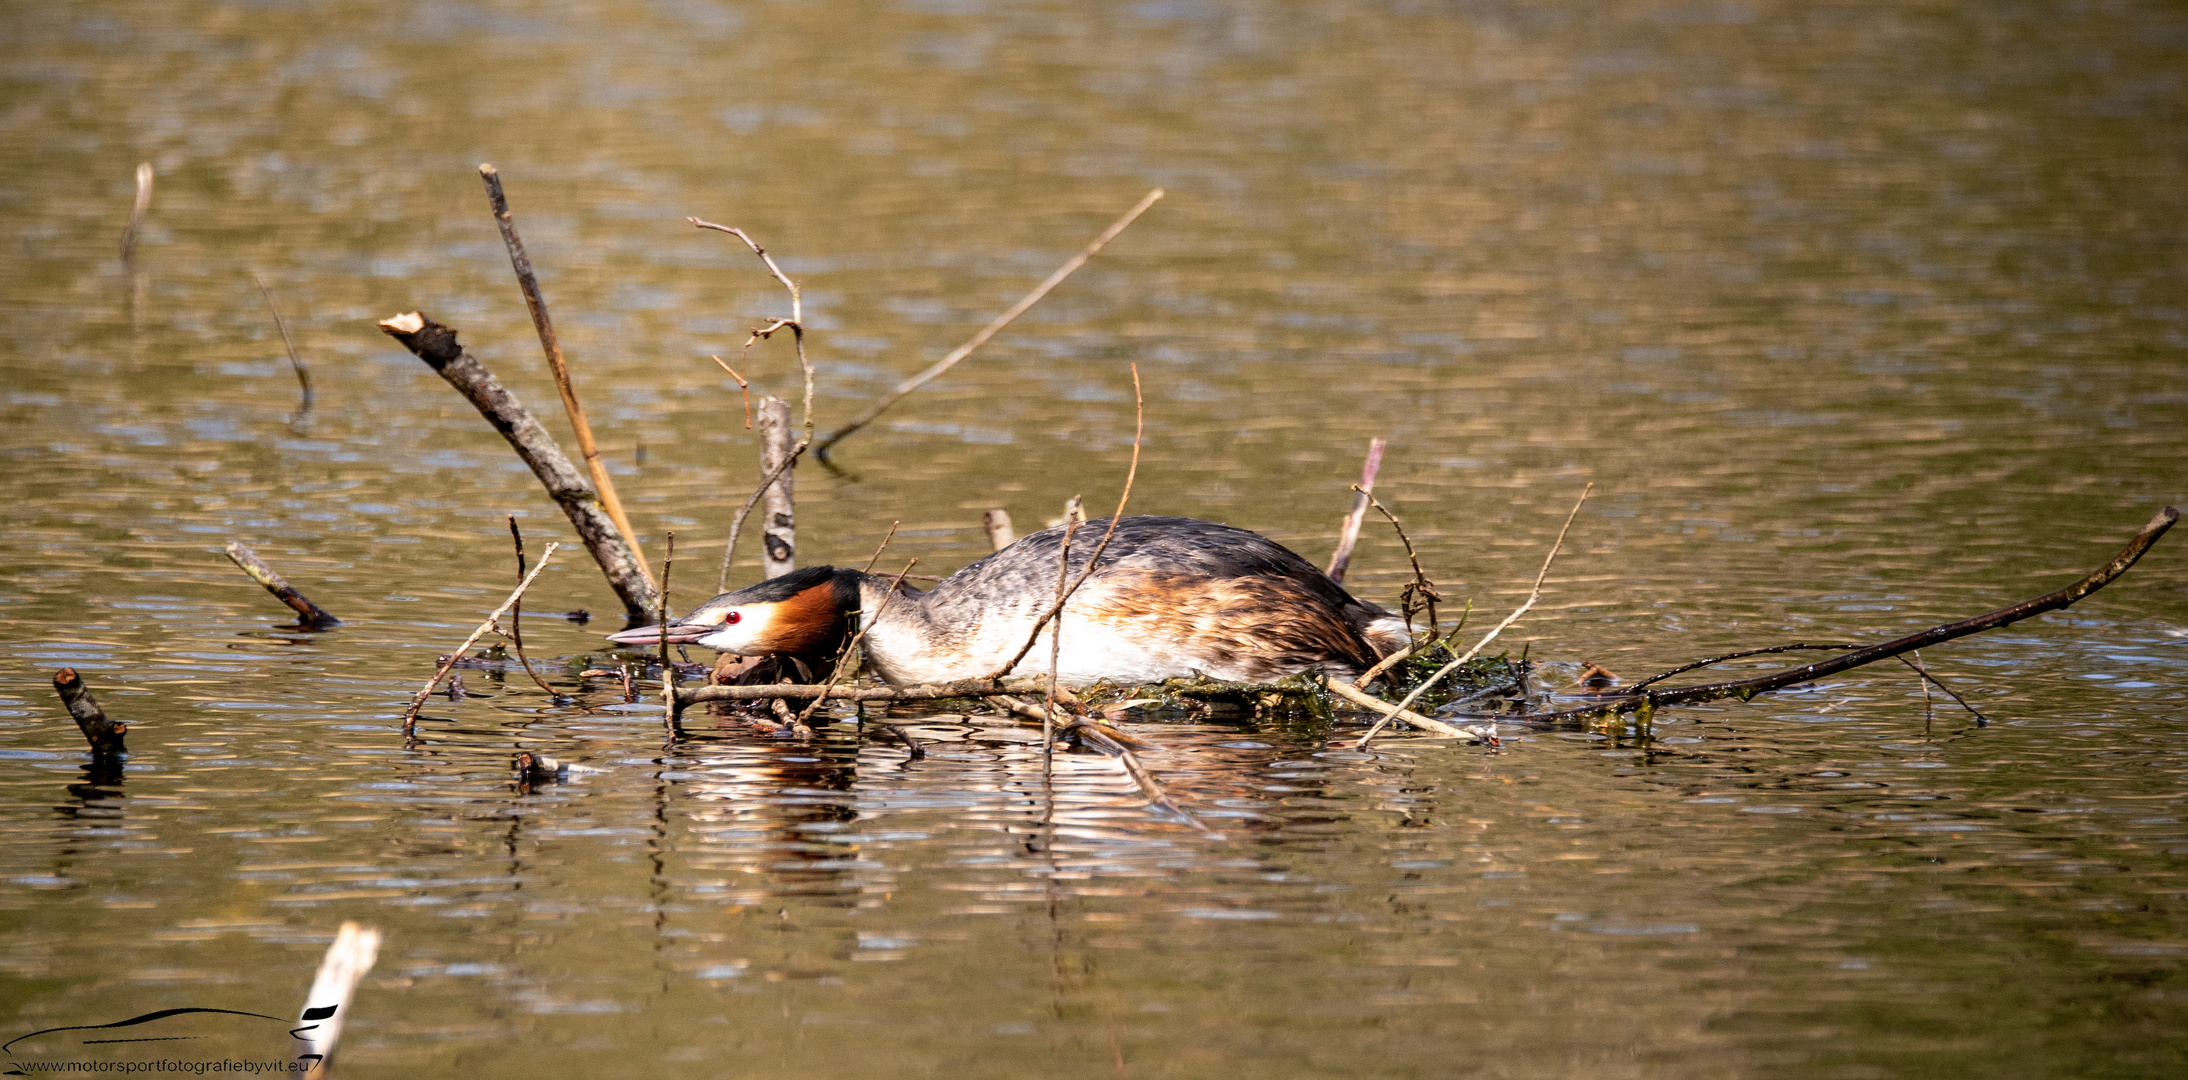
pixel 151 1029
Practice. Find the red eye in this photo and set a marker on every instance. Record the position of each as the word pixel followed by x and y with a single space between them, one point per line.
pixel 732 618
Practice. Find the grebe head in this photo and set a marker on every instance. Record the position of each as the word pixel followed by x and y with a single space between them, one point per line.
pixel 804 612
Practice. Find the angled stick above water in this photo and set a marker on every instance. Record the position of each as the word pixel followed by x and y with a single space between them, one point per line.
pixel 528 282
pixel 611 547
pixel 1627 700
pixel 410 715
pixel 311 616
pixel 994 327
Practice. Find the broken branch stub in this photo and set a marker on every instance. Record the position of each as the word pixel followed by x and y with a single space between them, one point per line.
pixel 611 548
pixel 104 735
pixel 311 616
pixel 778 507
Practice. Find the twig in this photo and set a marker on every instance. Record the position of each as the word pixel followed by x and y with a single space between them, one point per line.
pixel 529 283
pixel 1929 711
pixel 883 546
pixel 990 330
pixel 610 546
pixel 913 751
pixel 1916 663
pixel 410 715
pixel 303 374
pixel 1532 596
pixel 864 625
pixel 997 523
pixel 1139 427
pixel 1392 712
pixel 1348 534
pixel 1072 521
pixel 137 212
pixel 963 688
pixel 1108 743
pixel 1684 668
pixel 668 669
pixel 1626 700
pixel 311 616
pixel 1422 589
pixel 326 1005
pixel 516 616
pixel 796 321
pixel 742 386
pixel 104 735
pixel 737 524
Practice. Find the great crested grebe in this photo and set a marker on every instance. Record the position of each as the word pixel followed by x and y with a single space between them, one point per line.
pixel 1172 597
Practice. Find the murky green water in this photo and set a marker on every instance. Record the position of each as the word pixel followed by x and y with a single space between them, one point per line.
pixel 1860 317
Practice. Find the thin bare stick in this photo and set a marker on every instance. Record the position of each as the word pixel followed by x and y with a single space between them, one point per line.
pixel 864 625
pixel 1109 743
pixel 516 615
pixel 1684 668
pixel 797 301
pixel 610 546
pixel 311 616
pixel 1421 589
pixel 737 524
pixel 410 715
pixel 1916 663
pixel 529 283
pixel 303 374
pixel 990 330
pixel 1348 533
pixel 796 321
pixel 1532 596
pixel 1626 700
pixel 912 750
pixel 668 669
pixel 963 688
pixel 885 538
pixel 137 212
pixel 743 387
pixel 1072 519
pixel 1139 427
pixel 1392 712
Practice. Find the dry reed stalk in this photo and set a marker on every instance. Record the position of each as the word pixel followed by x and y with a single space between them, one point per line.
pixel 529 283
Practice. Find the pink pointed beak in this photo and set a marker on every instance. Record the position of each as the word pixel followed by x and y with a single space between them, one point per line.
pixel 678 634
